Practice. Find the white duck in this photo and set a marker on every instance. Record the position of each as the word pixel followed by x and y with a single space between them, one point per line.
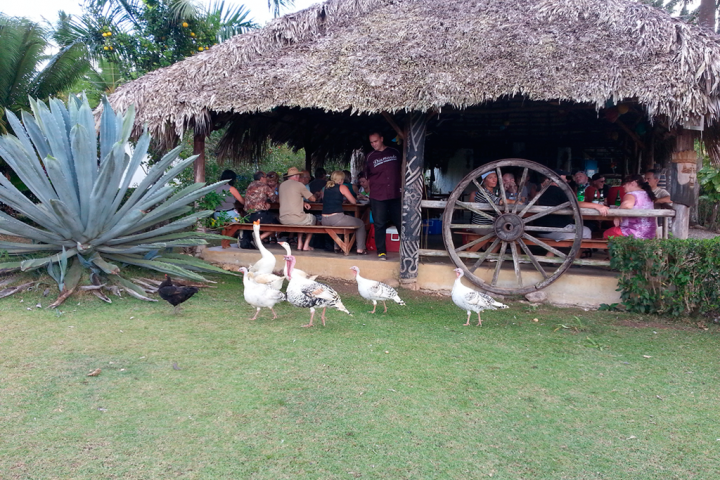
pixel 266 264
pixel 375 291
pixel 296 271
pixel 260 295
pixel 472 300
pixel 306 293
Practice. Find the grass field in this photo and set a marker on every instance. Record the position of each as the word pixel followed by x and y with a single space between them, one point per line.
pixel 411 394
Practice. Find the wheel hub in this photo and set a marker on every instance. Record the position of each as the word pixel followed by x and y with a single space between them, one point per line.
pixel 509 227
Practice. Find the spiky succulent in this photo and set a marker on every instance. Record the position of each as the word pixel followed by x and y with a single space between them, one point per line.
pixel 84 217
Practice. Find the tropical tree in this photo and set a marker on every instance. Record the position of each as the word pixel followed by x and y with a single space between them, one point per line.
pixel 139 36
pixel 86 216
pixel 704 11
pixel 27 71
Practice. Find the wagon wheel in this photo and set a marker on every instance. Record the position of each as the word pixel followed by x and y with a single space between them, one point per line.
pixel 510 226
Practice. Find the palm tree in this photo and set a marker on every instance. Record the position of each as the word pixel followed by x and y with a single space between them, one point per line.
pixel 27 71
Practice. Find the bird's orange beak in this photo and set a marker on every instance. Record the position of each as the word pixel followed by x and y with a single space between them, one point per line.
pixel 256 222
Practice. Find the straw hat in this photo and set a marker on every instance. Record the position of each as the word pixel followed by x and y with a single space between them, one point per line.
pixel 291 171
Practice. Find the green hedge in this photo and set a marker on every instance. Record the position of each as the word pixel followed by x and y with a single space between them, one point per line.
pixel 672 277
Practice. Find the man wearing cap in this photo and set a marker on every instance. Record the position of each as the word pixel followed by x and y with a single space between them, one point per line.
pixel 292 193
pixel 382 170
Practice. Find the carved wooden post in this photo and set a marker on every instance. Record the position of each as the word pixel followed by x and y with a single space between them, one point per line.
pixel 412 195
pixel 683 184
pixel 199 164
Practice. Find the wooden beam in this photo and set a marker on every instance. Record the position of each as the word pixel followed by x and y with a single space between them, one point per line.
pixel 391 121
pixel 414 147
pixel 199 164
pixel 632 134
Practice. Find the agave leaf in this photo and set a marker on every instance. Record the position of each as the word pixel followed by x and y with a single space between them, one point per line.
pixel 69 218
pixel 192 263
pixel 27 167
pixel 172 173
pixel 85 162
pixel 57 138
pixel 121 161
pixel 20 202
pixel 20 132
pixel 36 136
pixel 63 186
pixel 174 203
pixel 7 267
pixel 146 247
pixel 16 227
pixel 127 284
pixel 108 130
pixel 87 121
pixel 100 189
pixel 127 124
pixel 156 265
pixel 74 273
pixel 202 235
pixel 62 117
pixel 150 201
pixel 122 227
pixel 179 210
pixel 139 153
pixel 106 267
pixel 14 247
pixel 152 176
pixel 34 263
pixel 171 227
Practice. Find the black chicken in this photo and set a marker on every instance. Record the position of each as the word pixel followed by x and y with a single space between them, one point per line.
pixel 173 294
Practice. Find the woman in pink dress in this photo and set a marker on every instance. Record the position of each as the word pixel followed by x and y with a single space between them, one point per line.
pixel 638 195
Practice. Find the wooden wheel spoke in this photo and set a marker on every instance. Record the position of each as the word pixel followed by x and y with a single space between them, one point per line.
pixel 548 211
pixel 532 258
pixel 532 202
pixel 544 245
pixel 474 209
pixel 499 263
pixel 516 263
pixel 485 254
pixel 482 192
pixel 475 242
pixel 523 181
pixel 503 196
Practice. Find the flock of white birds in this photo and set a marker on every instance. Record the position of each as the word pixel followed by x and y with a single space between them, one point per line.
pixel 262 288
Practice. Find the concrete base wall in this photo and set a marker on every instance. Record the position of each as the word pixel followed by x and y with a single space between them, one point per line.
pixel 584 286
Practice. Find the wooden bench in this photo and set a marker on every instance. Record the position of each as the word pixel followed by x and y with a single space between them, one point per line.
pixel 345 244
pixel 596 243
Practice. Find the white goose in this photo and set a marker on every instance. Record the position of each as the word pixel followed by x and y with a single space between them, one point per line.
pixel 472 300
pixel 375 291
pixel 296 271
pixel 306 293
pixel 260 295
pixel 266 264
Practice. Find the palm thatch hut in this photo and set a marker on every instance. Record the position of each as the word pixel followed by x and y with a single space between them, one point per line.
pixel 615 75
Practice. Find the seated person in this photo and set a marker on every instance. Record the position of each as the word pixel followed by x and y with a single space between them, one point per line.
pixel 292 194
pixel 232 197
pixel 595 192
pixel 554 196
pixel 335 193
pixel 638 195
pixel 489 185
pixel 652 177
pixel 348 183
pixel 258 198
pixel 511 188
pixel 318 184
pixel 363 187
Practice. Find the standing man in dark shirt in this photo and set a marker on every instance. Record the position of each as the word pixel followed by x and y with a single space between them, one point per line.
pixel 382 170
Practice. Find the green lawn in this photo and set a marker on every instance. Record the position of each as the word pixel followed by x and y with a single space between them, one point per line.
pixel 411 394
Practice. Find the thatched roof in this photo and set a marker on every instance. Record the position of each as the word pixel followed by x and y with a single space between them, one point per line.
pixel 369 56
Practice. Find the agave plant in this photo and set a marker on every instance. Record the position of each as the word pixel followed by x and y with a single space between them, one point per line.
pixel 85 217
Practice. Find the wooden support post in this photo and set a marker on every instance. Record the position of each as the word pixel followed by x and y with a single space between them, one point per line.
pixel 683 185
pixel 199 164
pixel 412 196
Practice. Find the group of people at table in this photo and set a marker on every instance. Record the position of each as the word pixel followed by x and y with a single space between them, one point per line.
pixel 379 185
pixel 636 192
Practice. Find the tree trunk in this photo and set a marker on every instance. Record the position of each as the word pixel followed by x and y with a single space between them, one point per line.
pixel 706 14
pixel 199 164
pixel 412 195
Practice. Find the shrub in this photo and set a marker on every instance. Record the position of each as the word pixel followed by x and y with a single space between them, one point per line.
pixel 668 276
